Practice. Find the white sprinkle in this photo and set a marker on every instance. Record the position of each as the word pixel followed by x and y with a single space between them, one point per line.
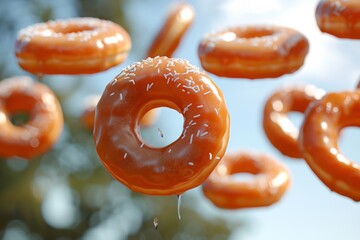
pixel 142 145
pixel 200 106
pixel 191 121
pixel 114 81
pixel 198 133
pixel 158 70
pixel 187 107
pixel 121 96
pixel 206 93
pixel 191 163
pixel 196 116
pixel 148 86
pixel 217 158
pixel 194 123
pixel 112 94
pixel 120 75
pixel 169 150
pixel 210 156
pixel 203 134
pixel 178 85
pixel 217 111
pixel 206 125
pixel 125 155
pixel 132 81
pixel 184 134
pixel 191 138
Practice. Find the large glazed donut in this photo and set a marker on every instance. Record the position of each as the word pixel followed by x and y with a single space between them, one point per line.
pixel 181 165
pixel 340 18
pixel 280 131
pixel 318 141
pixel 177 23
pixel 253 52
pixel 72 46
pixel 42 129
pixel 270 182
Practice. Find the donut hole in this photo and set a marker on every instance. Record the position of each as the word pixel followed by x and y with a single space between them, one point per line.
pixel 74 29
pixel 348 143
pixel 19 118
pixel 165 130
pixel 243 176
pixel 256 33
pixel 19 108
pixel 244 171
pixel 296 118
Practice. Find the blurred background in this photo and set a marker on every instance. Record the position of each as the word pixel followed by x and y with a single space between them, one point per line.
pixel 67 194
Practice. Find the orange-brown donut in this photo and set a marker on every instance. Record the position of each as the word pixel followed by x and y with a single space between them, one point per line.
pixel 177 23
pixel 72 46
pixel 318 141
pixel 181 165
pixel 43 128
pixel 280 131
pixel 340 18
pixel 88 114
pixel 270 182
pixel 253 51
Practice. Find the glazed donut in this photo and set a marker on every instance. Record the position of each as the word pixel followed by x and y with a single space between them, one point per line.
pixel 271 180
pixel 88 114
pixel 318 141
pixel 177 23
pixel 253 52
pixel 340 18
pixel 41 130
pixel 72 46
pixel 280 131
pixel 181 165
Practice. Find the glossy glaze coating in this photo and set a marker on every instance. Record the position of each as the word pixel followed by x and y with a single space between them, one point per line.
pixel 72 46
pixel 270 182
pixel 41 131
pixel 175 26
pixel 253 52
pixel 88 114
pixel 318 141
pixel 181 165
pixel 340 18
pixel 280 131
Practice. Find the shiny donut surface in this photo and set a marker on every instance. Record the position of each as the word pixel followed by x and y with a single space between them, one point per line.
pixel 169 37
pixel 71 46
pixel 181 165
pixel 340 18
pixel 270 182
pixel 45 119
pixel 279 129
pixel 318 141
pixel 253 51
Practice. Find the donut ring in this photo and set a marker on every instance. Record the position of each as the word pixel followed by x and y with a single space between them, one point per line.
pixel 41 131
pixel 253 52
pixel 318 141
pixel 88 114
pixel 280 131
pixel 177 23
pixel 340 18
pixel 271 180
pixel 181 165
pixel 72 46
